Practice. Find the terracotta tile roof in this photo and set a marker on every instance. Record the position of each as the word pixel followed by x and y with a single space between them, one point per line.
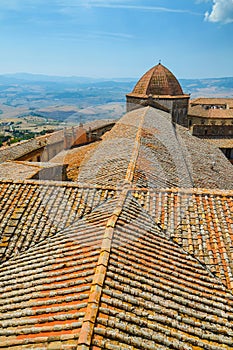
pixel 110 161
pixel 226 142
pixel 145 143
pixel 212 101
pixel 158 297
pixel 30 212
pixel 74 157
pixel 158 81
pixel 200 221
pixel 22 170
pixel 213 113
pixel 221 113
pixel 108 264
pixel 161 161
pixel 18 170
pixel 44 293
pixel 198 111
pixel 20 149
pixel 113 280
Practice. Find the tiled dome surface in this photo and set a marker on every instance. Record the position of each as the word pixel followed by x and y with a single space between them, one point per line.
pixel 158 81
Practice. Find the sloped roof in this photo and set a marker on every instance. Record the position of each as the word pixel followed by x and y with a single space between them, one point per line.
pixel 18 170
pixel 20 149
pixel 146 148
pixel 125 258
pixel 158 297
pixel 74 157
pixel 113 279
pixel 50 285
pixel 200 221
pixel 210 113
pixel 226 142
pixel 198 111
pixel 221 113
pixel 31 212
pixel 213 101
pixel 158 81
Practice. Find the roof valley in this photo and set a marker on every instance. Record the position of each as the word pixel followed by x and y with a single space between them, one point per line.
pixel 183 233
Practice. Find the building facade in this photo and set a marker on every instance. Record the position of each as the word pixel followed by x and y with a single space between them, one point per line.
pixel 212 119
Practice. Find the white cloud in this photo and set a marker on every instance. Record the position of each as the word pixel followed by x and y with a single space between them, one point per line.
pixel 94 35
pixel 69 6
pixel 222 11
pixel 119 4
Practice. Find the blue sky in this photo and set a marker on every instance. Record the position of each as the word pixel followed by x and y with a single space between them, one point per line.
pixel 116 38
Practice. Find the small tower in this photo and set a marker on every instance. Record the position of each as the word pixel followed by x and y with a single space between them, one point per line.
pixel 160 89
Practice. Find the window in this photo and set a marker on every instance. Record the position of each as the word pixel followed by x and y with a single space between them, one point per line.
pixel 228 152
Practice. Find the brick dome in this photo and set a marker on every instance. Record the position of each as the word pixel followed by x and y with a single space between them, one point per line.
pixel 158 81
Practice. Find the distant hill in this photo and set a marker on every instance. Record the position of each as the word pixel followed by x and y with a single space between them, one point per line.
pixel 221 87
pixel 28 77
pixel 25 93
pixel 196 87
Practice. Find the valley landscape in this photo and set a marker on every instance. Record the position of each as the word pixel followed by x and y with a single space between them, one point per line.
pixel 31 105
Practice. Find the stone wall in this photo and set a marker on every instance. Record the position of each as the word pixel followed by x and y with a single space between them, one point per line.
pixel 55 173
pixel 212 130
pixel 193 120
pixel 133 103
pixel 75 136
pixel 43 154
pixel 178 107
pixel 180 111
pixel 43 148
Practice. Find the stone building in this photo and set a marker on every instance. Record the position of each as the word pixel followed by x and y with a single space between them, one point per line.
pixel 135 253
pixel 34 158
pixel 212 119
pixel 159 88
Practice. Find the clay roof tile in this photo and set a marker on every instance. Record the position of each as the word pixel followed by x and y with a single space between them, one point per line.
pixel 158 81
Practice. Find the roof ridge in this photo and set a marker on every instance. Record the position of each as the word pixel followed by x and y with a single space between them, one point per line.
pixel 182 153
pixel 134 156
pixel 152 75
pixel 149 80
pixel 185 190
pixel 57 183
pixel 88 324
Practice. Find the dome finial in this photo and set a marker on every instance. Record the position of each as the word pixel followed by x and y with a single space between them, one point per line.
pixel 160 61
